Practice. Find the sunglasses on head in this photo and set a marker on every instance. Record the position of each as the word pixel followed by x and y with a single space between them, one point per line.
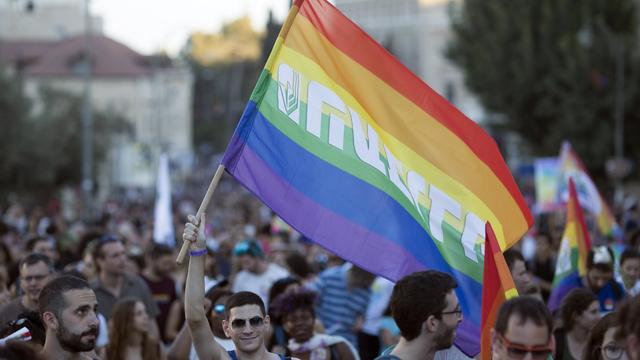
pixel 218 309
pixel 519 351
pixel 255 321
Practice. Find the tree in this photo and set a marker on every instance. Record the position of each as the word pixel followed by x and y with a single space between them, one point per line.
pixel 548 69
pixel 42 150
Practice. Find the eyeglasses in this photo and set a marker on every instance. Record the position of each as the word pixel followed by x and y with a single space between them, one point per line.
pixel 457 311
pixel 612 351
pixel 254 322
pixel 519 351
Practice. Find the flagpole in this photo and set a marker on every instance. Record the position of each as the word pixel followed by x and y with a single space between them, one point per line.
pixel 203 207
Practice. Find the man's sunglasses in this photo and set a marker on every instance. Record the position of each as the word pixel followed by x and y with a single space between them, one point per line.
pixel 254 322
pixel 519 351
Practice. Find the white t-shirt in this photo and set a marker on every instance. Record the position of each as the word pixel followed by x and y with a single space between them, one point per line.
pixel 259 283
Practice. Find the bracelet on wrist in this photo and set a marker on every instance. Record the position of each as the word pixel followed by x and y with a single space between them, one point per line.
pixel 198 252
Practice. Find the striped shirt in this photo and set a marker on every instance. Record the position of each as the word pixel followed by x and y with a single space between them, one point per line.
pixel 337 306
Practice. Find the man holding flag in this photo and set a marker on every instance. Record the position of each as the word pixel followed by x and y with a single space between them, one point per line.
pixel 355 152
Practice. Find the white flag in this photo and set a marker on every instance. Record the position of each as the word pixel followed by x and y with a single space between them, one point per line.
pixel 163 218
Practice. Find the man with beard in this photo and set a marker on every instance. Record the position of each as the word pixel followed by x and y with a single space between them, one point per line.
pixel 69 310
pixel 427 323
pixel 523 327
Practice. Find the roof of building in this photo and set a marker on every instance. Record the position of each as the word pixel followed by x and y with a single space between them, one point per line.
pixel 62 58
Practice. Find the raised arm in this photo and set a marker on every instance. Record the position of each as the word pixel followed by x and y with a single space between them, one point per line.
pixel 202 336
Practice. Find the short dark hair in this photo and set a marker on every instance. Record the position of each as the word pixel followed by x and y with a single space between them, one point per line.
pixel 416 297
pixel 243 298
pixel 101 242
pixel 52 295
pixel 628 315
pixel 31 243
pixel 511 256
pixel 575 303
pixel 528 308
pixel 34 258
pixel 629 254
pixel 158 250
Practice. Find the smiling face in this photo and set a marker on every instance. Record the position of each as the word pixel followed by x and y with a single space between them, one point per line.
pixel 246 327
pixel 299 324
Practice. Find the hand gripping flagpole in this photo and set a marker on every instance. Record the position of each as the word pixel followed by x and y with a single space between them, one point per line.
pixel 203 207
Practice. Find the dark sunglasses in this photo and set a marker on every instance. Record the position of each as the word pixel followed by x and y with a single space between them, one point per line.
pixel 254 322
pixel 519 351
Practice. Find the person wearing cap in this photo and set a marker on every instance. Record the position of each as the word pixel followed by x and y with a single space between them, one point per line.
pixel 599 278
pixel 257 274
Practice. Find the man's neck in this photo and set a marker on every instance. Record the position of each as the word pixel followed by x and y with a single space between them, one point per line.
pixel 112 282
pixel 28 304
pixel 414 349
pixel 53 351
pixel 260 354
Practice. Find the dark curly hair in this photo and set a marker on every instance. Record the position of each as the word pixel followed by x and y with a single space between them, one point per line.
pixel 289 302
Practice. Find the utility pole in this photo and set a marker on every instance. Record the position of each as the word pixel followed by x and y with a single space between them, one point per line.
pixel 87 120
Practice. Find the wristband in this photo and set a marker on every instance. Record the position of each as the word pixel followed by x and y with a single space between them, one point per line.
pixel 197 252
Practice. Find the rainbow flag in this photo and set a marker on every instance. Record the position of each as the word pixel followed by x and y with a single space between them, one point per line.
pixel 571 264
pixel 497 288
pixel 570 166
pixel 358 154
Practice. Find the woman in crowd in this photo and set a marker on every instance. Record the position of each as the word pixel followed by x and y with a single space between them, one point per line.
pixel 580 312
pixel 296 310
pixel 129 333
pixel 602 344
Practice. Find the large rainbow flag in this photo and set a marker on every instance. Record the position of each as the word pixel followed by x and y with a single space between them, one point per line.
pixel 358 154
pixel 498 287
pixel 570 166
pixel 571 264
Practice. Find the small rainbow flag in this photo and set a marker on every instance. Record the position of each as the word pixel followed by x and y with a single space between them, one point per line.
pixel 497 288
pixel 356 153
pixel 574 248
pixel 570 166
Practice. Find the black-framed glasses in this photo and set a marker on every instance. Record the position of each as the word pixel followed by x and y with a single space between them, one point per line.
pixel 612 351
pixel 254 322
pixel 457 311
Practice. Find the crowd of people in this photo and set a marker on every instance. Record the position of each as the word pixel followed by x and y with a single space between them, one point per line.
pixel 99 287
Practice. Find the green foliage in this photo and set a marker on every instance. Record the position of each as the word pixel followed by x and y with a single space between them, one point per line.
pixel 42 150
pixel 549 68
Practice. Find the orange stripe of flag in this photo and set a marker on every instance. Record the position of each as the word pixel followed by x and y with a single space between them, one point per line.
pixel 333 25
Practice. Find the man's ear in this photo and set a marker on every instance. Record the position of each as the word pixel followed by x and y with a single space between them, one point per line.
pixel 431 324
pixel 50 320
pixel 494 338
pixel 225 328
pixel 267 320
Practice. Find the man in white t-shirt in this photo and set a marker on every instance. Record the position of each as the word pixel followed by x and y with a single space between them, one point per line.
pixel 257 274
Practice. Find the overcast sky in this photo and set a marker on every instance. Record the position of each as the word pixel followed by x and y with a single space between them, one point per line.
pixel 152 25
